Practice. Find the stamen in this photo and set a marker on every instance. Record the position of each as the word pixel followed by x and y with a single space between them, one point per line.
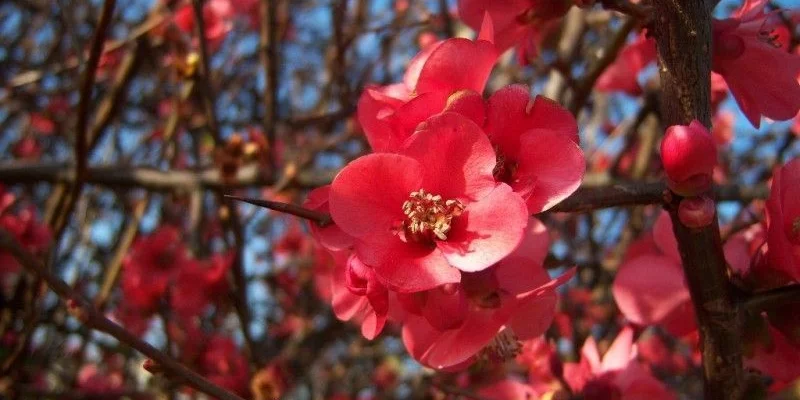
pixel 428 216
pixel 505 169
pixel 504 346
pixel 770 37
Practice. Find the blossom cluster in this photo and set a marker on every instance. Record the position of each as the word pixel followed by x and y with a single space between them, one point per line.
pixel 432 231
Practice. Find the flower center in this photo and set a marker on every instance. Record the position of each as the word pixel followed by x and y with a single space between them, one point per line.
pixel 505 168
pixel 504 346
pixel 428 216
pixel 770 37
pixel 796 227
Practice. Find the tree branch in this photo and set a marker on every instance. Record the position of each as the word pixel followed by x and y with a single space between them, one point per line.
pixel 683 34
pixel 90 317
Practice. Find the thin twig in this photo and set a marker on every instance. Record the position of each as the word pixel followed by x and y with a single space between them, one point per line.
pixel 91 318
pixel 320 218
pixel 779 297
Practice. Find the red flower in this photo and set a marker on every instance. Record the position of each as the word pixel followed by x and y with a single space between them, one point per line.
pixel 33 235
pixel 617 375
pixel 390 114
pixel 92 380
pixel 536 141
pixel 751 53
pixel 154 260
pixel 198 284
pixel 420 216
pixel 517 22
pixel 216 17
pixel 223 364
pixel 689 155
pixel 358 294
pixel 783 222
pixel 487 314
pixel 622 73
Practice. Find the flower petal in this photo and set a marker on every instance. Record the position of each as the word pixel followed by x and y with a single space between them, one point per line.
pixel 487 231
pixel 445 71
pixel 367 196
pixel 648 288
pixel 457 157
pixel 553 163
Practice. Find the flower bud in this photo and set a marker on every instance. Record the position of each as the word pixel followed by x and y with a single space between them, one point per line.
pixel 696 212
pixel 689 155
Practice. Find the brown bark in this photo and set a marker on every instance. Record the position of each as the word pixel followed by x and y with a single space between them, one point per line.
pixel 683 33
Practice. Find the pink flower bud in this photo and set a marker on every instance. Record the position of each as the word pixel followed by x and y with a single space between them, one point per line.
pixel 689 155
pixel 696 212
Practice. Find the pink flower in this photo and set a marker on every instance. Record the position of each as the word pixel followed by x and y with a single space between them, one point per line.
pixel 783 222
pixel 508 389
pixel 650 288
pixel 33 235
pixel 487 313
pixel 622 73
pixel 517 22
pixel 390 114
pixel 223 364
pixel 198 284
pixel 154 260
pixel 617 375
pixel 421 216
pixel 751 53
pixel 358 294
pixel 536 142
pixel 217 16
pixel 689 155
pixel 92 380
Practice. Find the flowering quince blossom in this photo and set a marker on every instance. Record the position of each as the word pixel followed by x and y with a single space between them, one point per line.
pixel 160 259
pixel 353 288
pixel 520 23
pixel 783 222
pixel 433 79
pixel 487 313
pixel 223 364
pixel 420 216
pixel 744 45
pixel 689 155
pixel 33 235
pixel 617 376
pixel 622 73
pixel 650 289
pixel 536 140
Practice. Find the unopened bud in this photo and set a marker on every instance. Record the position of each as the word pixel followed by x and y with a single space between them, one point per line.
pixel 696 212
pixel 689 155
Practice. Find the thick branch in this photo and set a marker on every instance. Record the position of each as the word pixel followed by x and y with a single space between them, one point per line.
pixel 88 315
pixel 683 34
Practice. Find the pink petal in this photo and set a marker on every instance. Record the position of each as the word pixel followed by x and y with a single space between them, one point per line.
pixel 331 237
pixel 374 106
pixel 621 351
pixel 647 289
pixel 469 104
pixel 553 163
pixel 487 231
pixel 635 382
pixel 511 113
pixel 458 345
pixel 665 237
pixel 591 355
pixel 533 316
pixel 508 389
pixel 504 14
pixel 415 65
pixel 457 157
pixel 445 310
pixel 445 71
pixel 408 267
pixel 408 117
pixel 367 196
